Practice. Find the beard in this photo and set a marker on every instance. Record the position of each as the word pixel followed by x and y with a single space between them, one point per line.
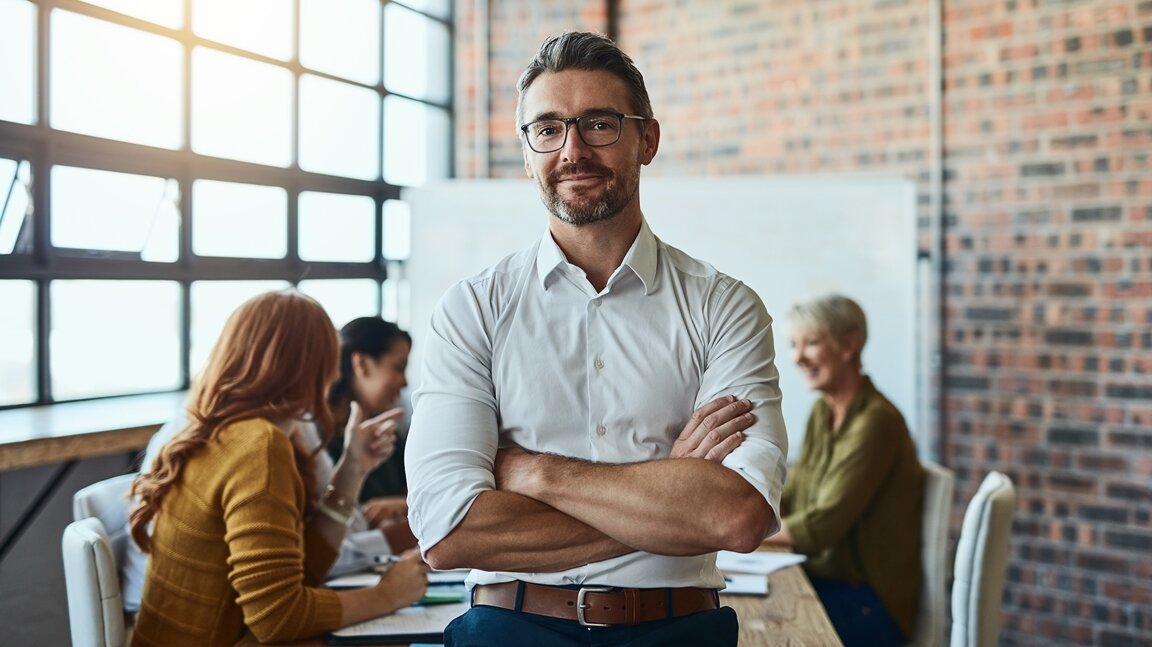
pixel 591 207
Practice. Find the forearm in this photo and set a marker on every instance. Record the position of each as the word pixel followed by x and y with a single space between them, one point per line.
pixel 339 499
pixel 683 506
pixel 504 531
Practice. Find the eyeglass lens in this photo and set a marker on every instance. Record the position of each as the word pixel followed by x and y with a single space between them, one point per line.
pixel 596 129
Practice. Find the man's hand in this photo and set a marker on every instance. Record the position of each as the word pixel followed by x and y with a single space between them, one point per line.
pixel 714 429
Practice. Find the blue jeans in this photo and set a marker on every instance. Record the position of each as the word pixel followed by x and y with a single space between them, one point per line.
pixel 493 627
pixel 858 615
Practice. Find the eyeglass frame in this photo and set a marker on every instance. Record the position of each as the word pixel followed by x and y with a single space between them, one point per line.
pixel 569 121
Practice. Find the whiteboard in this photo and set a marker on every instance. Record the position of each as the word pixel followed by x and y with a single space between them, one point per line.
pixel 789 238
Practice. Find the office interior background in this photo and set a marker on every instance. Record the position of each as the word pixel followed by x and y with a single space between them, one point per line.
pixel 162 160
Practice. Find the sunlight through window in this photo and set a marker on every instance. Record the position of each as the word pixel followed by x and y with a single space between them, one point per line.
pixel 239 220
pixel 259 26
pixel 115 82
pixel 18 53
pixel 241 109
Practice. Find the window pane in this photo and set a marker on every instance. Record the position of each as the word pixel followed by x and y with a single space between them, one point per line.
pixel 105 210
pixel 260 26
pixel 114 337
pixel 415 142
pixel 344 299
pixel 212 302
pixel 17 353
pixel 336 227
pixel 239 220
pixel 397 230
pixel 18 56
pixel 341 38
pixel 416 53
pixel 16 192
pixel 339 128
pixel 439 8
pixel 169 13
pixel 241 109
pixel 115 82
pixel 395 304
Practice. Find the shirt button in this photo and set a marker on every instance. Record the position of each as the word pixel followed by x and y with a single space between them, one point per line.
pixel 600 430
pixel 599 364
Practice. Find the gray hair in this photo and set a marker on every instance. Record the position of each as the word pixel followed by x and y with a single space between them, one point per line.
pixel 834 315
pixel 589 52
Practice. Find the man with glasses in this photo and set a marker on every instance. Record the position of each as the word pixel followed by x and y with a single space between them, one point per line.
pixel 554 448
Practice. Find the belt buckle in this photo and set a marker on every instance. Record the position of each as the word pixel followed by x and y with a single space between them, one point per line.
pixel 581 605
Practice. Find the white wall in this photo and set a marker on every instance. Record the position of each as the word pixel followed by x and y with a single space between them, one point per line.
pixel 789 238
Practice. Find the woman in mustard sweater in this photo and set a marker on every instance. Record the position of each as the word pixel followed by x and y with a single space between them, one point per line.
pixel 240 543
pixel 852 502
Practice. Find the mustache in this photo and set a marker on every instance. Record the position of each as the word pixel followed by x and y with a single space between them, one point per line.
pixel 582 167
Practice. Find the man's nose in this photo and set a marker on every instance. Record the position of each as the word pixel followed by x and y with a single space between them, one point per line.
pixel 574 147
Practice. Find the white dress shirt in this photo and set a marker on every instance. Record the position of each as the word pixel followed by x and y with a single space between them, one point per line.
pixel 528 354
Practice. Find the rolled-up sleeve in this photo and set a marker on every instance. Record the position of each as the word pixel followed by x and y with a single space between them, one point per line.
pixel 454 434
pixel 741 362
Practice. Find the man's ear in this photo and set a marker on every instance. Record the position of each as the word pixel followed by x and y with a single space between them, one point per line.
pixel 651 141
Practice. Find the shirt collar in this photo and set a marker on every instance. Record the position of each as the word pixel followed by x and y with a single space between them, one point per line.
pixel 641 258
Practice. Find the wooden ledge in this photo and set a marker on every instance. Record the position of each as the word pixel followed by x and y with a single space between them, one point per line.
pixel 77 430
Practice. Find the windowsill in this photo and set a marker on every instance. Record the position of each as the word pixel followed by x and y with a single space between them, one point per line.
pixel 75 430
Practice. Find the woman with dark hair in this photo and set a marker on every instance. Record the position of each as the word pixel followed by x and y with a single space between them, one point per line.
pixel 240 539
pixel 373 361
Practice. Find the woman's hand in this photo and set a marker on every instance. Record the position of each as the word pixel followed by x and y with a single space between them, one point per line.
pixel 405 582
pixel 384 509
pixel 367 443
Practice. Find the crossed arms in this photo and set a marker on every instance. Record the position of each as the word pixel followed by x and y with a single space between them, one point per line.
pixel 551 513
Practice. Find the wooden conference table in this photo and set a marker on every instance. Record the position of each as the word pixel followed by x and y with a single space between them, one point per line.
pixel 789 616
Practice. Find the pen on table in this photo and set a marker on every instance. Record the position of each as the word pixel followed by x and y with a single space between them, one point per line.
pixel 384 562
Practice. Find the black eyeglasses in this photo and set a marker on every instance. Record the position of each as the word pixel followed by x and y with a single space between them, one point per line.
pixel 595 128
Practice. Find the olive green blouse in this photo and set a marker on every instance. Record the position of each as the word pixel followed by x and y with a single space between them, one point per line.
pixel 852 502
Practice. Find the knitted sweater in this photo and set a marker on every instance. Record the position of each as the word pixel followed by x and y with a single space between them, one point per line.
pixel 230 550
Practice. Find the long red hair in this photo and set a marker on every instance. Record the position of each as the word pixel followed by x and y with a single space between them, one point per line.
pixel 274 360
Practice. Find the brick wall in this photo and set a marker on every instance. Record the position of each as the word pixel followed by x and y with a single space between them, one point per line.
pixel 1047 212
pixel 1048 130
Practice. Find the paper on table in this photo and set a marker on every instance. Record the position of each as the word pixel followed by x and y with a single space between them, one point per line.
pixel 415 620
pixel 761 563
pixel 744 584
pixel 354 581
pixel 448 577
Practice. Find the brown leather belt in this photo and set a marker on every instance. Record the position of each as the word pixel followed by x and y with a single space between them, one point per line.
pixel 596 606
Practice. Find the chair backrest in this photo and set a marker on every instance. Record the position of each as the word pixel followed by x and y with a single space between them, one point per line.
pixel 981 562
pixel 939 486
pixel 107 501
pixel 95 610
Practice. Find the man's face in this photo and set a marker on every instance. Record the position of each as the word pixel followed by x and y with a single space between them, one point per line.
pixel 582 184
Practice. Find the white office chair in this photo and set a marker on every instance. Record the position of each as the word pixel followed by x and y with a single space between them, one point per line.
pixel 95 609
pixel 939 486
pixel 106 500
pixel 94 546
pixel 981 562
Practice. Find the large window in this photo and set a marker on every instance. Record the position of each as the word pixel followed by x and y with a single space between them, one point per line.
pixel 163 160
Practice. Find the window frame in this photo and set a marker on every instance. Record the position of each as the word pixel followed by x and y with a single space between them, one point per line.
pixel 43 148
